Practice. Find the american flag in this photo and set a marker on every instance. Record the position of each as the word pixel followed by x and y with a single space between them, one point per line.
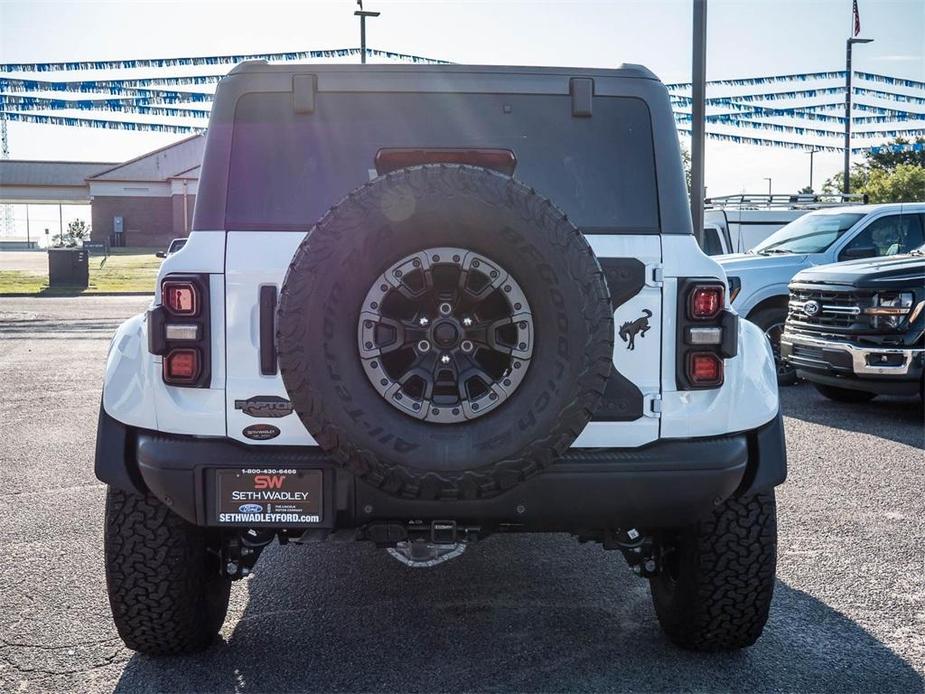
pixel 857 17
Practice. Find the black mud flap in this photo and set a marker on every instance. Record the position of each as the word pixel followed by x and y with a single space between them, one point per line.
pixel 114 460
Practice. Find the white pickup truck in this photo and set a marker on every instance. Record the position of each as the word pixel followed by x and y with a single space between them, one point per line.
pixel 758 279
pixel 738 223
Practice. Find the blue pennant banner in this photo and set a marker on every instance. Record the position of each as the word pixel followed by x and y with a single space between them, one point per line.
pixel 33 103
pixel 806 77
pixel 287 56
pixel 762 142
pixel 98 123
pixel 907 147
pixel 15 84
pixel 890 96
pixel 886 79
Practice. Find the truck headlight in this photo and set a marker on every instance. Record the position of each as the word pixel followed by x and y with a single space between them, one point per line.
pixel 735 286
pixel 890 308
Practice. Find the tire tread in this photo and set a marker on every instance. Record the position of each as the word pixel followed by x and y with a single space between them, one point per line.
pixel 723 594
pixel 165 599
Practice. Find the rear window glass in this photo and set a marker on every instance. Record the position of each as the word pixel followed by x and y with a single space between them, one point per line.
pixel 711 242
pixel 287 169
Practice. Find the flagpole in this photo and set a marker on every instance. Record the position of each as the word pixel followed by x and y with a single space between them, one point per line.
pixel 855 30
pixel 846 186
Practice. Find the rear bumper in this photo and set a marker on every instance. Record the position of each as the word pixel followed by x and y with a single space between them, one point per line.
pixel 667 484
pixel 886 370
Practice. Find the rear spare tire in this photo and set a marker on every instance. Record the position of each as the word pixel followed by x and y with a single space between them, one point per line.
pixel 444 332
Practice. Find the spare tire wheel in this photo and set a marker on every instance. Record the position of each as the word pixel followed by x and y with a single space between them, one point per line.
pixel 444 332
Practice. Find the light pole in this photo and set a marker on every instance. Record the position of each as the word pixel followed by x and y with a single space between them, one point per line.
pixel 698 114
pixel 846 188
pixel 769 186
pixel 363 14
pixel 811 152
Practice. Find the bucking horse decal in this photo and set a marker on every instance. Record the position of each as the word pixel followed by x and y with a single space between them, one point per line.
pixel 631 328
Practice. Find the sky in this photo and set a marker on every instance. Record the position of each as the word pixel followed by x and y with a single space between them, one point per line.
pixel 745 38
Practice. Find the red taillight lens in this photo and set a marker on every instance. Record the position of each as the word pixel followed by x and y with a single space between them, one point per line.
pixel 180 298
pixel 181 366
pixel 704 369
pixel 706 302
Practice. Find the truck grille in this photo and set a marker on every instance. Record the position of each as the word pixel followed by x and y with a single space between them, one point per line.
pixel 826 310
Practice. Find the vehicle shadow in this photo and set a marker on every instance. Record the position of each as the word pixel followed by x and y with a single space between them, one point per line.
pixel 900 419
pixel 512 614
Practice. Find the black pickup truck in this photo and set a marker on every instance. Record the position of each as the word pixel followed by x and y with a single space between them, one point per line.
pixel 855 330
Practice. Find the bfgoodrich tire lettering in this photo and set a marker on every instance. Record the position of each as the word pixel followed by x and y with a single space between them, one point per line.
pixel 404 213
pixel 165 590
pixel 715 589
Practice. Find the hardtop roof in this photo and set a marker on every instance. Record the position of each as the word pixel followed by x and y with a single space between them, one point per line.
pixel 625 70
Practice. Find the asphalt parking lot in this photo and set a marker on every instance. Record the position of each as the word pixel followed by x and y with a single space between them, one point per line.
pixel 512 614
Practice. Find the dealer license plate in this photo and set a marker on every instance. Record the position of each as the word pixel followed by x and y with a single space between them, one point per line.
pixel 269 497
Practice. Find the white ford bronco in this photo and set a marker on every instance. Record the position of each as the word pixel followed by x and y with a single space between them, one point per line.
pixel 421 305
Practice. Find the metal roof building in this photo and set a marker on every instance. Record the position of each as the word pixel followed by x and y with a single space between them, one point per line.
pixel 146 201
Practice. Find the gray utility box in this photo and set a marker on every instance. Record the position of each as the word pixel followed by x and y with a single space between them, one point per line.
pixel 68 267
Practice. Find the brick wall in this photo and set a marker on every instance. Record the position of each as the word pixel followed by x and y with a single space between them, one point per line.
pixel 148 222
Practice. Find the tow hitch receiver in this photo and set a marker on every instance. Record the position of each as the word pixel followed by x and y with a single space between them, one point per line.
pixel 640 551
pixel 423 550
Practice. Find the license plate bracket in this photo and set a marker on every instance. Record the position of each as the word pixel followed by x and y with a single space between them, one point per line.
pixel 269 497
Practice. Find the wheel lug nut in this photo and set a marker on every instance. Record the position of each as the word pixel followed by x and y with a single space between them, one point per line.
pixel 445 359
pixel 446 309
pixel 466 346
pixel 424 346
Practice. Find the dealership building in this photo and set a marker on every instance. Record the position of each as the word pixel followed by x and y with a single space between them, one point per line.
pixel 146 201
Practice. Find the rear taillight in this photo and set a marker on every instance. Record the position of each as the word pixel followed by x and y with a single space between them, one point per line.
pixel 179 331
pixel 180 298
pixel 705 369
pixel 182 366
pixel 707 334
pixel 706 302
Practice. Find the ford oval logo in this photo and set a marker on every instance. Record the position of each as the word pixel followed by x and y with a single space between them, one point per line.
pixel 811 308
pixel 250 508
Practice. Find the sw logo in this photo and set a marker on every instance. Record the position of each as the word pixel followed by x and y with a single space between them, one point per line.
pixel 630 329
pixel 268 481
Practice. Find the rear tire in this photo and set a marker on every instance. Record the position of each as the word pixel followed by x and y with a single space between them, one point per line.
pixel 714 591
pixel 844 394
pixel 165 589
pixel 771 321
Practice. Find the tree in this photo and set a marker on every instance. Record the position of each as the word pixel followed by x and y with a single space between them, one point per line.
pixel 806 190
pixel 904 183
pixel 686 162
pixel 77 231
pixel 888 160
pixel 859 176
pixel 886 176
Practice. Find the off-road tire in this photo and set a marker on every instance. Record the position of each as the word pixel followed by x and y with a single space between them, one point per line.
pixel 766 319
pixel 165 590
pixel 844 394
pixel 403 213
pixel 714 594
